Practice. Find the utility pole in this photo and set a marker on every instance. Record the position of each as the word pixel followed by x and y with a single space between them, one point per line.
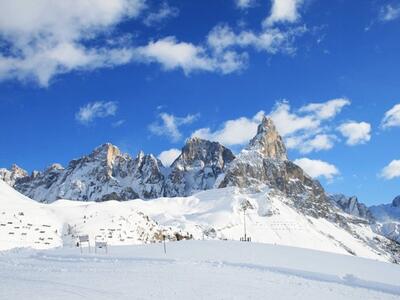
pixel 244 223
pixel 165 248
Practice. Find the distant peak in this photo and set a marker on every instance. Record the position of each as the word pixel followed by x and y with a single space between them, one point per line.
pixel 268 141
pixel 266 125
pixel 106 152
pixel 54 167
pixel 396 202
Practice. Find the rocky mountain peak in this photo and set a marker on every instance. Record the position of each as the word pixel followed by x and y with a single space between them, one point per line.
pixel 11 175
pixel 396 202
pixel 351 205
pixel 106 152
pixel 197 168
pixel 268 142
pixel 208 152
pixel 18 170
pixel 54 167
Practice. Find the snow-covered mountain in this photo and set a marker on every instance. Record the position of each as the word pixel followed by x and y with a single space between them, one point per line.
pixel 107 174
pixel 104 174
pixel 197 168
pixel 388 219
pixel 384 218
pixel 10 176
pixel 207 191
pixel 352 206
pixel 213 214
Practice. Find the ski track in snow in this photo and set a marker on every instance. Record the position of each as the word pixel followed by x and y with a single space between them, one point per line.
pixel 193 270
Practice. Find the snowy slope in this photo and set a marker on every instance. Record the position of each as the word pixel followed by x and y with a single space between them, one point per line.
pixel 195 270
pixel 388 217
pixel 25 223
pixel 214 214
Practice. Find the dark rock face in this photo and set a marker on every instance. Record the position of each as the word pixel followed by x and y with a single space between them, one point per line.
pixel 352 206
pixel 268 142
pixel 197 168
pixel 396 202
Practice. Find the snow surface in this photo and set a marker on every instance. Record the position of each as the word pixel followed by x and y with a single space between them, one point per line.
pixel 194 270
pixel 214 214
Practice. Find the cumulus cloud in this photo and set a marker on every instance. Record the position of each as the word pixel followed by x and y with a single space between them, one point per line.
pixel 95 110
pixel 172 54
pixel 392 117
pixel 391 171
pixel 306 129
pixel 169 125
pixel 283 11
pixel 326 110
pixel 355 133
pixel 232 132
pixel 165 12
pixel 306 144
pixel 389 12
pixel 45 38
pixel 169 156
pixel 288 122
pixel 317 168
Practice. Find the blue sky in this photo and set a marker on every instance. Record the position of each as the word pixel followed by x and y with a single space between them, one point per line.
pixel 146 75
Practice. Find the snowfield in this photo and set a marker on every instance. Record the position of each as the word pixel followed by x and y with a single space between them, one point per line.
pixel 40 260
pixel 213 214
pixel 194 270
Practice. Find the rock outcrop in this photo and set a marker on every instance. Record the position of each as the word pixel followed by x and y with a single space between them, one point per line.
pixel 12 175
pixel 197 168
pixel 352 206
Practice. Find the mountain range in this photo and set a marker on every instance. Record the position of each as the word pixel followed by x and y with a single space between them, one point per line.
pixel 260 179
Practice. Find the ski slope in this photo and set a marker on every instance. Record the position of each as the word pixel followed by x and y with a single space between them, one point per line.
pixel 194 270
pixel 214 214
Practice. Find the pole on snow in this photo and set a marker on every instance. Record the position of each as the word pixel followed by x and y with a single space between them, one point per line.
pixel 165 247
pixel 244 223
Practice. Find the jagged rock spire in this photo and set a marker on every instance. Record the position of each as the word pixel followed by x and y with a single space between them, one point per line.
pixel 396 202
pixel 268 141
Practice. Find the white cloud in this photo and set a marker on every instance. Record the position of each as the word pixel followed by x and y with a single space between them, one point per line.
pixel 118 123
pixel 392 170
pixel 233 132
pixel 283 11
pixel 289 123
pixel 165 12
pixel 270 40
pixel 243 4
pixel 355 133
pixel 389 12
pixel 326 110
pixel 317 168
pixel 46 37
pixel 95 110
pixel 169 125
pixel 168 157
pixel 172 54
pixel 305 144
pixel 306 129
pixel 392 117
